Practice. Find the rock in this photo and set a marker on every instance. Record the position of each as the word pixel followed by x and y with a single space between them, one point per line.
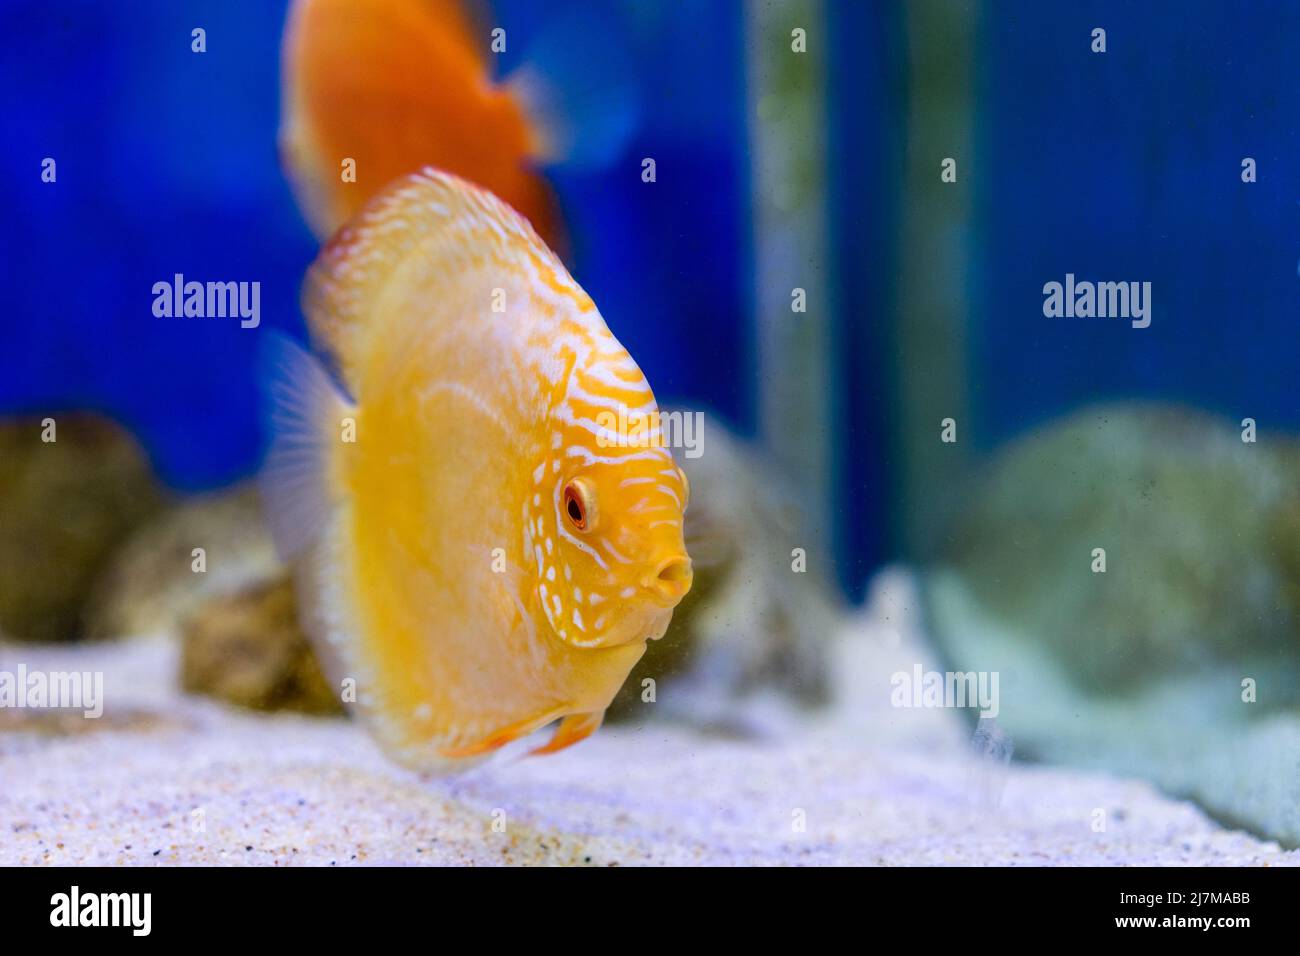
pixel 1201 533
pixel 750 621
pixel 248 649
pixel 1181 662
pixel 237 616
pixel 65 505
pixel 152 583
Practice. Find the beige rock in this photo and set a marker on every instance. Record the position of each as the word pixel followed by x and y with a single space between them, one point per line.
pixel 248 649
pixel 1201 533
pixel 152 584
pixel 65 505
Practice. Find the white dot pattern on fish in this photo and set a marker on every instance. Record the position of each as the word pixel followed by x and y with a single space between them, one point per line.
pixel 544 520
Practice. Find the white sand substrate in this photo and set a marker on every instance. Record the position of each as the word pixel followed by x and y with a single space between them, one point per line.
pixel 164 779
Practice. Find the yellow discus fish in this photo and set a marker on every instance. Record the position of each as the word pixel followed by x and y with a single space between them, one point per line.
pixel 475 545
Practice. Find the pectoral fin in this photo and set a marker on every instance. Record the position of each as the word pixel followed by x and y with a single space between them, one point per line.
pixel 306 410
pixel 572 729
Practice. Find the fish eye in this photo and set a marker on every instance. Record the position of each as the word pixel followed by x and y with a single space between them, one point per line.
pixel 580 504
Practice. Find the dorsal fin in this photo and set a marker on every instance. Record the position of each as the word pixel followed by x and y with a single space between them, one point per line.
pixel 452 225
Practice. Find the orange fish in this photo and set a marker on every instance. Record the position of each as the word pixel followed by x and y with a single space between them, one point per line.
pixel 477 545
pixel 396 85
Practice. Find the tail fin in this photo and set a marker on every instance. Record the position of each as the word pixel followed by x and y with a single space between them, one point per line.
pixel 584 106
pixel 357 78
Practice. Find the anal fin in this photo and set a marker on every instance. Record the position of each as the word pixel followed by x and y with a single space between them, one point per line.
pixel 572 730
pixel 499 738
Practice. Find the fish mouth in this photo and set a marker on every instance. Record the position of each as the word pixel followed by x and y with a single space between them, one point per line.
pixel 670 580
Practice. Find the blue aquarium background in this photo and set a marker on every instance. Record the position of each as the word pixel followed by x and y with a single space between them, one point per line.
pixel 1128 165
pixel 1122 165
